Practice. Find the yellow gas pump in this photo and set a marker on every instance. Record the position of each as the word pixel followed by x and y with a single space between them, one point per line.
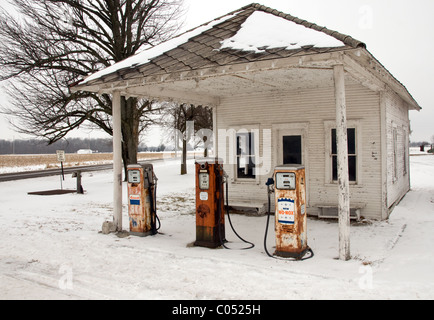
pixel 290 212
pixel 142 185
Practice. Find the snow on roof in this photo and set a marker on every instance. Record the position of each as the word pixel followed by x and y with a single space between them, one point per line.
pixel 259 27
pixel 146 55
pixel 265 30
pixel 252 33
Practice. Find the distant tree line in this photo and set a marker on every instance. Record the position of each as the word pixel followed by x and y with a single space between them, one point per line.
pixel 420 143
pixel 72 145
pixel 160 148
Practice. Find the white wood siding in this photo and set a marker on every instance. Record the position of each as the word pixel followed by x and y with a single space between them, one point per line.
pixel 314 107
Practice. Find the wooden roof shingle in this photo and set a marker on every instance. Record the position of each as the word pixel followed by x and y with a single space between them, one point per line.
pixel 204 49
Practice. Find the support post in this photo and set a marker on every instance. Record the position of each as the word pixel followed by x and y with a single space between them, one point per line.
pixel 343 177
pixel 215 132
pixel 117 161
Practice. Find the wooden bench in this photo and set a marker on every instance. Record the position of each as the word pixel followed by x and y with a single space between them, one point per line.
pixel 259 206
pixel 331 210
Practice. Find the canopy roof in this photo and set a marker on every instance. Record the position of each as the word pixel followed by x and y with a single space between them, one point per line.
pixel 250 47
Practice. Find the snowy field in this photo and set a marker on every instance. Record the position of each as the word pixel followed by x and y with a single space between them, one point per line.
pixel 51 248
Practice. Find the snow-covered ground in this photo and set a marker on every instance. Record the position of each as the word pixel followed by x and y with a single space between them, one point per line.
pixel 51 248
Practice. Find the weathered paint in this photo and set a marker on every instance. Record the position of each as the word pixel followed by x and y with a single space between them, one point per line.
pixel 117 161
pixel 210 230
pixel 139 205
pixel 280 114
pixel 291 235
pixel 343 179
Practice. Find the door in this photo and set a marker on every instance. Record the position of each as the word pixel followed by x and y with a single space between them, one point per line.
pixel 292 150
pixel 292 147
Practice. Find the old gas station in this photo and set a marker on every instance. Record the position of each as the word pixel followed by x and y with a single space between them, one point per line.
pixel 313 104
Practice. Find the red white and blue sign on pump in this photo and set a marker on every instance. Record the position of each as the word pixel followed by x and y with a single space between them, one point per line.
pixel 286 210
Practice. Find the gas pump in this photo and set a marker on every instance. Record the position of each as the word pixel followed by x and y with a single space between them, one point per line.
pixel 210 199
pixel 290 212
pixel 142 187
pixel 210 222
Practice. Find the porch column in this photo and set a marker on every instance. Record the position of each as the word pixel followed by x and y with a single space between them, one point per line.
pixel 215 133
pixel 343 177
pixel 117 161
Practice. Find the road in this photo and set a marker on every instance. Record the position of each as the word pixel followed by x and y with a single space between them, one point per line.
pixel 53 172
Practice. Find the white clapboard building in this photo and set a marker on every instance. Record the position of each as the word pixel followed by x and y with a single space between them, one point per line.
pixel 281 89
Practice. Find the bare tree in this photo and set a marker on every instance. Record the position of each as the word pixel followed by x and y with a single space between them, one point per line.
pixel 55 43
pixel 180 116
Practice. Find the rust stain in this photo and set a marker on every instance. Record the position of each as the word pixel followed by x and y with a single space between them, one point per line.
pixel 210 205
pixel 139 210
pixel 203 210
pixel 291 238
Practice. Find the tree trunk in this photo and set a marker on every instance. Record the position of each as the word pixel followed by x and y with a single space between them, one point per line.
pixel 130 132
pixel 184 157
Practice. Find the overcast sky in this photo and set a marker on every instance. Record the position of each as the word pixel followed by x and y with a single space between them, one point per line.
pixel 397 32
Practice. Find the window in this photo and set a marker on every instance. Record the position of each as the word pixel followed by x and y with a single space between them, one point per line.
pixel 246 156
pixel 355 145
pixel 395 153
pixel 352 155
pixel 405 144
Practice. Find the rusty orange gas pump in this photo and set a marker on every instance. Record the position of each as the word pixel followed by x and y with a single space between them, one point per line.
pixel 290 212
pixel 210 222
pixel 142 186
pixel 210 205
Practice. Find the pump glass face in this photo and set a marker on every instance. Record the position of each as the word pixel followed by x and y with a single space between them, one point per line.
pixel 285 181
pixel 204 181
pixel 134 176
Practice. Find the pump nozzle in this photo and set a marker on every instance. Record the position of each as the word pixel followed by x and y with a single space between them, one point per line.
pixel 269 182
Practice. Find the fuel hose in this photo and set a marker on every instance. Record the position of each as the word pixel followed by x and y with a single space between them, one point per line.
pixel 220 180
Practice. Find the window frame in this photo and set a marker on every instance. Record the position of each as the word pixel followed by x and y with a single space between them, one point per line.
pixel 395 153
pixel 251 141
pixel 254 129
pixel 405 144
pixel 328 127
pixel 352 154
